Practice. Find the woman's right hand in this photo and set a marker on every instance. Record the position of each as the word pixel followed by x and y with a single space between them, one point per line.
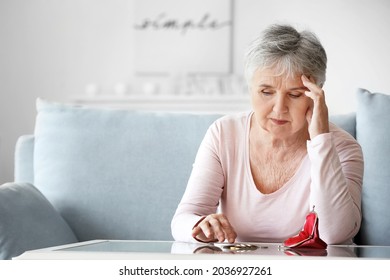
pixel 214 228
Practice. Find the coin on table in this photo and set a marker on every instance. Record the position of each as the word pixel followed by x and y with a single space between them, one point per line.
pixel 241 247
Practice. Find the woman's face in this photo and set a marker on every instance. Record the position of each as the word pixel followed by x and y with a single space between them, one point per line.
pixel 279 103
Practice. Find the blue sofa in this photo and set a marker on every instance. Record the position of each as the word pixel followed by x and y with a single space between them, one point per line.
pixel 90 173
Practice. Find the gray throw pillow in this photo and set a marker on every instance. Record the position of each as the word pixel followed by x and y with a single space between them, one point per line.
pixel 28 221
pixel 373 134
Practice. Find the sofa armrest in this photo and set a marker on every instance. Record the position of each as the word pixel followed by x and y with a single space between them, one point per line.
pixel 24 159
pixel 28 221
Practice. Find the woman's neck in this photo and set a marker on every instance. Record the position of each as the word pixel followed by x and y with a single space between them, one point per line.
pixel 267 140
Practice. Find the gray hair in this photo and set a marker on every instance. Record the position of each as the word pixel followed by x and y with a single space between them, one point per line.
pixel 288 51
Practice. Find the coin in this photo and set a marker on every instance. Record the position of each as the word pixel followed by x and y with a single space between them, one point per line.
pixel 241 247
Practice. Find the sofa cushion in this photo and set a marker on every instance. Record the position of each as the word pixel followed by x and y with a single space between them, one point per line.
pixel 115 174
pixel 346 122
pixel 28 221
pixel 373 134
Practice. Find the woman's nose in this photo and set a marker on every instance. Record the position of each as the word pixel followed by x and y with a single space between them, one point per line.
pixel 280 105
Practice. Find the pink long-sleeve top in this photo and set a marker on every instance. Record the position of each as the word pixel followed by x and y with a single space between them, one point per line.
pixel 329 177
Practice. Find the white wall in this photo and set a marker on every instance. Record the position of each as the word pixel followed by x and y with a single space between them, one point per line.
pixel 53 48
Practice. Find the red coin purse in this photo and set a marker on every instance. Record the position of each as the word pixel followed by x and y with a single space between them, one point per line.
pixel 309 236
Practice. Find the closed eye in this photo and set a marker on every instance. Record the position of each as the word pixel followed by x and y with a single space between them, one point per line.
pixel 296 94
pixel 266 92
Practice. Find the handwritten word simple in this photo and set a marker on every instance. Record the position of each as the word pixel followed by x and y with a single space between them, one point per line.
pixel 164 22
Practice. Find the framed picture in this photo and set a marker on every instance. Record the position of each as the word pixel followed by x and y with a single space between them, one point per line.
pixel 183 36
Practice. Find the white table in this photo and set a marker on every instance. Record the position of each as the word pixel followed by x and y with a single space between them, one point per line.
pixel 169 250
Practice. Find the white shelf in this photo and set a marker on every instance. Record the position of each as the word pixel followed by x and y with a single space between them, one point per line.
pixel 176 103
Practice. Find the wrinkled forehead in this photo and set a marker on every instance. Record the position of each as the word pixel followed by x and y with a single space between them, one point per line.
pixel 275 78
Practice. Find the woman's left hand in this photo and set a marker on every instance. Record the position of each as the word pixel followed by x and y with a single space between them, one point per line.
pixel 317 114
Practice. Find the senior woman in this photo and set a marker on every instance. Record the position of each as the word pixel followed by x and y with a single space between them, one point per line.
pixel 257 174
